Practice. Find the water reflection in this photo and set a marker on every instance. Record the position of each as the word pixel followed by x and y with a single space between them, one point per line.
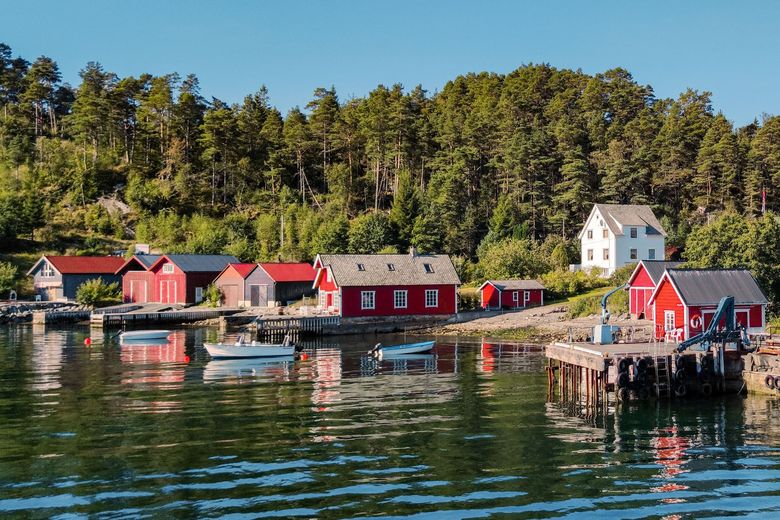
pixel 465 432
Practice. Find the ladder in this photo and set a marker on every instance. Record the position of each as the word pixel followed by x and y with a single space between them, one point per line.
pixel 663 385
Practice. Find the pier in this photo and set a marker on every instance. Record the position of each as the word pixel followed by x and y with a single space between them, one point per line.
pixel 122 319
pixel 277 327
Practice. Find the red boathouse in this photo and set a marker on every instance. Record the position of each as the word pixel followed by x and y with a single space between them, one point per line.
pixel 642 283
pixel 511 294
pixel 137 280
pixel 685 301
pixel 386 285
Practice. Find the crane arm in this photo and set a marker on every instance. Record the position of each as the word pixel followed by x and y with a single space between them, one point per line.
pixel 725 310
pixel 604 313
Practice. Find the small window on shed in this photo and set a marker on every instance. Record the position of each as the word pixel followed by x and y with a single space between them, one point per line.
pixel 361 267
pixel 391 267
pixel 167 268
pixel 428 268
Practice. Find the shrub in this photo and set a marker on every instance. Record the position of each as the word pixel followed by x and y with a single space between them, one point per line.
pixel 511 258
pixel 7 277
pixel 212 296
pixel 622 274
pixel 562 284
pixel 97 293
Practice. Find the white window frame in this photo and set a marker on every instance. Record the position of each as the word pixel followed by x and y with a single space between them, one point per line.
pixel 633 254
pixel 651 254
pixel 47 271
pixel 669 324
pixel 167 268
pixel 590 234
pixel 198 294
pixel 515 296
pixel 526 297
pixel 434 293
pixel 605 253
pixel 604 233
pixel 590 255
pixel 364 296
pixel 428 268
pixel 633 233
pixel 405 295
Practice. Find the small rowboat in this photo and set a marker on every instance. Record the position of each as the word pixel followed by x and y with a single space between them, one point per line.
pixel 144 335
pixel 249 350
pixel 402 350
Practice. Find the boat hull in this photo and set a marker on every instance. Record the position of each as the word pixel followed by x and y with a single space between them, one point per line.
pixel 144 335
pixel 224 351
pixel 403 350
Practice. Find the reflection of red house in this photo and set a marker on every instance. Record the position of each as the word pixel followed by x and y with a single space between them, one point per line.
pixel 685 300
pixel 170 278
pixel 642 283
pixel 386 285
pixel 511 294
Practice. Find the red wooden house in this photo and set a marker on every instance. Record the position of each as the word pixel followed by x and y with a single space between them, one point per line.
pixel 137 281
pixel 511 294
pixel 685 301
pixel 642 283
pixel 386 285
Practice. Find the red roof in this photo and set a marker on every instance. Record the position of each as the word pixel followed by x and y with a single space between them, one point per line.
pixel 86 264
pixel 243 270
pixel 293 272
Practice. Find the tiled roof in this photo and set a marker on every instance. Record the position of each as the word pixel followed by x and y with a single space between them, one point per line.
pixel 201 263
pixel 514 285
pixel 391 270
pixel 85 264
pixel 618 216
pixel 708 286
pixel 655 268
pixel 243 270
pixel 289 272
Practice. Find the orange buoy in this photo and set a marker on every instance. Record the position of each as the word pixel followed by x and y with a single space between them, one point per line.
pixel 186 359
pixel 88 341
pixel 304 357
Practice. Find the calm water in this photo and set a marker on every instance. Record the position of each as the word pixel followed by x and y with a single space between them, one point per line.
pixel 113 432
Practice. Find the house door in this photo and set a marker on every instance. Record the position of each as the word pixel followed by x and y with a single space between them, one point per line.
pixel 328 300
pixel 168 291
pixel 258 295
pixel 741 318
pixel 198 294
pixel 138 291
pixel 231 295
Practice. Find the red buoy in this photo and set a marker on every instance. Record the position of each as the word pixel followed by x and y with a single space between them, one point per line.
pixel 186 359
pixel 88 341
pixel 304 357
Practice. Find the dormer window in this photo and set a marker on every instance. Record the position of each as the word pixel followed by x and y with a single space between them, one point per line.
pixel 47 271
pixel 391 267
pixel 428 268
pixel 361 267
pixel 167 268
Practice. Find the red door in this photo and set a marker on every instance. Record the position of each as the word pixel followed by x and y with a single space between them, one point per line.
pixel 329 300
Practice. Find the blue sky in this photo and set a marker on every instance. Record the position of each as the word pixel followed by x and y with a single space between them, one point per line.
pixel 731 49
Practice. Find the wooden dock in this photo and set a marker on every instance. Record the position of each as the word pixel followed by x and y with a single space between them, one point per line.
pixel 122 319
pixel 277 327
pixel 587 373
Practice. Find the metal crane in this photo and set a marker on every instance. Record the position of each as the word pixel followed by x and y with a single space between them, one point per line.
pixel 712 334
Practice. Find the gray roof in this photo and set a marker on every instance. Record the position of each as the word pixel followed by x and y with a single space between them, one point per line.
pixel 202 263
pixel 515 285
pixel 618 216
pixel 655 268
pixel 708 286
pixel 147 260
pixel 407 269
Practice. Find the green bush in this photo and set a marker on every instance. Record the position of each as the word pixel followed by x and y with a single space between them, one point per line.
pixel 7 277
pixel 97 293
pixel 212 296
pixel 562 284
pixel 622 274
pixel 589 305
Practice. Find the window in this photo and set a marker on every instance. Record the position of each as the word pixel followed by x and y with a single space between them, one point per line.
pixel 590 254
pixel 47 271
pixel 167 268
pixel 526 297
pixel 651 254
pixel 605 254
pixel 604 233
pixel 633 232
pixel 361 267
pixel 399 299
pixel 432 298
pixel 391 267
pixel 632 254
pixel 198 294
pixel 590 234
pixel 668 320
pixel 367 300
pixel 428 268
pixel 515 296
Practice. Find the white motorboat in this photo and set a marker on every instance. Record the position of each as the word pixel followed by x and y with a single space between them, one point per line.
pixel 402 350
pixel 154 336
pixel 249 350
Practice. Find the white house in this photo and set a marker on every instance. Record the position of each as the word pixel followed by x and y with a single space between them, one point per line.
pixel 618 234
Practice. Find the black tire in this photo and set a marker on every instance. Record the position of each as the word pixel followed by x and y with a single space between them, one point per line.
pixel 679 361
pixel 706 389
pixel 777 382
pixel 622 380
pixel 622 394
pixel 769 381
pixel 643 393
pixel 679 376
pixel 681 391
pixel 623 365
pixel 641 379
pixel 641 365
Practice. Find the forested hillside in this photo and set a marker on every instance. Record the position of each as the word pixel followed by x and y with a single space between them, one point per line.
pixel 491 156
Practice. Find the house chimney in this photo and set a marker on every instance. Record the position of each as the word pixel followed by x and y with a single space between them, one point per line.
pixel 412 251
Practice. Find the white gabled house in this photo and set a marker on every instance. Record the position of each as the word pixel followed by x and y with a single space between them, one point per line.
pixel 618 234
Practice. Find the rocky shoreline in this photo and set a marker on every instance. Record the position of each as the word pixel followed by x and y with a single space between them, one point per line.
pixel 22 312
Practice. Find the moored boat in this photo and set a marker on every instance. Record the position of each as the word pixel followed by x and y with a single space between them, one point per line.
pixel 144 335
pixel 401 350
pixel 249 350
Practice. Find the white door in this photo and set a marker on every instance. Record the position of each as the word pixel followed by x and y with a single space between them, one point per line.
pixel 198 294
pixel 668 321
